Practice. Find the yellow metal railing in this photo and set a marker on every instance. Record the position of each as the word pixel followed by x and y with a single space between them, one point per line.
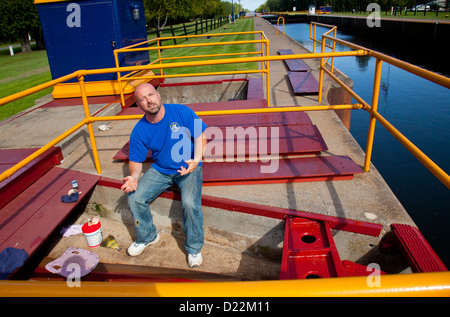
pixel 395 285
pixel 372 108
pixel 434 168
pixel 278 21
pixel 434 284
pixel 90 119
pixel 264 51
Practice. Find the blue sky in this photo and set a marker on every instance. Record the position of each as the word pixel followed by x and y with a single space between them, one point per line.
pixel 250 4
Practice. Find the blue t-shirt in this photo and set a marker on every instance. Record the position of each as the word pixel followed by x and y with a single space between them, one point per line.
pixel 171 140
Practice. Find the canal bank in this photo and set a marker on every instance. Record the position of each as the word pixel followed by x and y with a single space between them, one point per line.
pixel 410 102
pixel 365 198
pixel 236 243
pixel 418 38
pixel 400 28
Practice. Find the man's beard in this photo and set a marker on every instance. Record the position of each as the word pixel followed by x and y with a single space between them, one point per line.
pixel 153 110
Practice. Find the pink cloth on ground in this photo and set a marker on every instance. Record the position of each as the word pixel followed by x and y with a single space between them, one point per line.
pixel 73 259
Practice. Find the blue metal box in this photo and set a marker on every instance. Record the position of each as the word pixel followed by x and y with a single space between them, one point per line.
pixel 83 34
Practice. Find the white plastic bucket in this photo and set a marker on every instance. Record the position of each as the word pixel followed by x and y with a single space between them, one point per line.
pixel 92 233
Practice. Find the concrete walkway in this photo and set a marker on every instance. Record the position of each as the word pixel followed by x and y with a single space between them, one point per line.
pixel 247 247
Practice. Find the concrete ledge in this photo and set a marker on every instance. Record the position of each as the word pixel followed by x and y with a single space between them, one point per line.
pixel 252 234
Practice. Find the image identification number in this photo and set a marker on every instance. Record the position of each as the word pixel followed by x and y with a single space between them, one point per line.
pixel 246 306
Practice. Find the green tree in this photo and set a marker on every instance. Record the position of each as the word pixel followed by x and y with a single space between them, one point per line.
pixel 18 20
pixel 159 12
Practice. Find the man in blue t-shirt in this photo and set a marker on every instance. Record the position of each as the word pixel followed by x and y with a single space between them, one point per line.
pixel 174 135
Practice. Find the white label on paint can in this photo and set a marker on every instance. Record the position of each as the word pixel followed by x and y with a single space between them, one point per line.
pixel 94 239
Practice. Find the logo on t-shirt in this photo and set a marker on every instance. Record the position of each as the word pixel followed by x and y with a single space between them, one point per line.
pixel 174 127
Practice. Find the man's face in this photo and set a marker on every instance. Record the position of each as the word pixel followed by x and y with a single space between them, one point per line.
pixel 148 99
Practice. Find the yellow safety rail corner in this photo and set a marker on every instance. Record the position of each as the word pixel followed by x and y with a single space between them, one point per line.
pixel 372 108
pixel 264 51
pixel 421 284
pixel 416 284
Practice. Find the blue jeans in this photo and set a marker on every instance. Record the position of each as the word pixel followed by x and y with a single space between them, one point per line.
pixel 150 186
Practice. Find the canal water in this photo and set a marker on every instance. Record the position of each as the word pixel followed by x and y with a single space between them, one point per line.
pixel 420 110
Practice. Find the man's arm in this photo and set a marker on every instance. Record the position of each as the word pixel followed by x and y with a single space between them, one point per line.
pixel 199 150
pixel 131 182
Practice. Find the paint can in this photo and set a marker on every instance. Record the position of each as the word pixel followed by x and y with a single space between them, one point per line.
pixel 92 232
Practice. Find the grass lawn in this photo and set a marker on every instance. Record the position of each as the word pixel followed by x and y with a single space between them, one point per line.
pixel 242 26
pixel 20 72
pixel 23 71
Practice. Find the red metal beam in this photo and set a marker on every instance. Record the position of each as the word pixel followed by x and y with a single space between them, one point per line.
pixel 368 228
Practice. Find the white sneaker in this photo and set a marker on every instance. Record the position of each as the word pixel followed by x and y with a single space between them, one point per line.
pixel 195 260
pixel 137 248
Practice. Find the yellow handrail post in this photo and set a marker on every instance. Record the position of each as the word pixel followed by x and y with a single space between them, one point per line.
pixel 89 123
pixel 159 54
pixel 373 120
pixel 268 74
pixel 314 42
pixel 278 23
pixel 263 46
pixel 322 65
pixel 122 99
pixel 334 48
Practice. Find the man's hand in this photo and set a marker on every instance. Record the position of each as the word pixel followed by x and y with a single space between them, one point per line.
pixel 192 165
pixel 130 184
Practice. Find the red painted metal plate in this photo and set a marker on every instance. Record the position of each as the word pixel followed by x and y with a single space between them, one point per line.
pixel 318 168
pixel 255 90
pixel 28 220
pixel 14 185
pixel 309 251
pixel 303 83
pixel 228 105
pixel 294 65
pixel 416 250
pixel 8 156
pixel 258 119
pixel 310 264
pixel 229 142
